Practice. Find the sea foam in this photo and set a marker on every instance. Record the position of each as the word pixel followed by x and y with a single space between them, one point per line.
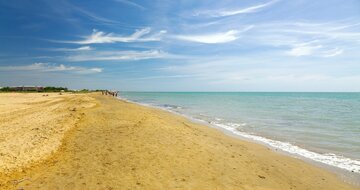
pixel 328 158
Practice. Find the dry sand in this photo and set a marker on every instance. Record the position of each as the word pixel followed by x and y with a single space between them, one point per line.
pixel 91 141
pixel 33 125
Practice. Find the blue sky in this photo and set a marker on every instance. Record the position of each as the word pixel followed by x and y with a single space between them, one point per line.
pixel 247 45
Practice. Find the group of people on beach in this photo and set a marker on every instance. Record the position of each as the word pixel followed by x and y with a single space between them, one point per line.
pixel 111 93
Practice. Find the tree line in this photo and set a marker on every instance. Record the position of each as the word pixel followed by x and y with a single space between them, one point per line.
pixel 42 89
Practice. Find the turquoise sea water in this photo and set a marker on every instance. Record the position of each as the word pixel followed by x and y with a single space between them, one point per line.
pixel 324 127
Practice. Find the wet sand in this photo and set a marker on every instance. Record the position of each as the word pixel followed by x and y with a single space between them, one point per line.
pixel 90 141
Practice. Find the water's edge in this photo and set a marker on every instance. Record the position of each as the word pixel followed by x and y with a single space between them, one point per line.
pixel 346 168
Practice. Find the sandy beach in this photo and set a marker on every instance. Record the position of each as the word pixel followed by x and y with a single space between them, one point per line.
pixel 91 141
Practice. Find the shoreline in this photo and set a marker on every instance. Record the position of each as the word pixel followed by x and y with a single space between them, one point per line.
pixel 347 176
pixel 117 144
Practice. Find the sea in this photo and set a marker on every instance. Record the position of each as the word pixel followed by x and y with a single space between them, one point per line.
pixel 321 127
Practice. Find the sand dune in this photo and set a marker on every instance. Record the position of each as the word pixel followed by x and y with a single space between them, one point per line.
pixel 91 141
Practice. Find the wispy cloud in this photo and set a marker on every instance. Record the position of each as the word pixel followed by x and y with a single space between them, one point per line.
pixel 305 38
pixel 333 52
pixel 66 10
pixel 92 16
pixel 246 10
pixel 215 38
pixel 307 49
pixel 268 73
pixel 82 48
pixel 99 37
pixel 131 3
pixel 117 55
pixel 162 77
pixel 303 50
pixel 48 67
pixel 334 30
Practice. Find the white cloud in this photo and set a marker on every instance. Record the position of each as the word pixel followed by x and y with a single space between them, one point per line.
pixel 223 13
pixel 305 38
pixel 70 12
pixel 313 48
pixel 127 2
pixel 215 38
pixel 163 77
pixel 268 73
pixel 302 50
pixel 326 30
pixel 118 55
pixel 333 52
pixel 47 67
pixel 99 37
pixel 82 48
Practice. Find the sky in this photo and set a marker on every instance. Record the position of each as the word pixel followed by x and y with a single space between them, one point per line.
pixel 185 45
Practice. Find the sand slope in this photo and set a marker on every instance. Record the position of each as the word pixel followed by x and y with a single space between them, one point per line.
pixel 119 145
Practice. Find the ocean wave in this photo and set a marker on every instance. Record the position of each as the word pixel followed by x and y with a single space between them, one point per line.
pixel 328 158
pixel 237 124
pixel 170 106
